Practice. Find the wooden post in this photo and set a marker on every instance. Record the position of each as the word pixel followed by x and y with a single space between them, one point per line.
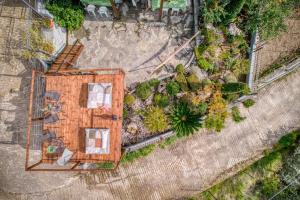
pixel 29 119
pixel 161 9
pixel 115 9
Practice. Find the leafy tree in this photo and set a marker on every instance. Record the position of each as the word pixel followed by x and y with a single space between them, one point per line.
pixel 183 120
pixel 213 11
pixel 232 10
pixel 155 119
pixel 66 14
pixel 267 16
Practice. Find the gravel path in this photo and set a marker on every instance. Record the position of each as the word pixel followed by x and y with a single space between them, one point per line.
pixel 180 170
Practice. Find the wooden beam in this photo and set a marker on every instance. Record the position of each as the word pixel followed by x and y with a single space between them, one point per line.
pixel 76 164
pixel 161 5
pixel 34 165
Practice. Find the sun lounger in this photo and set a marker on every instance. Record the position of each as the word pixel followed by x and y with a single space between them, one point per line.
pixel 99 95
pixel 65 157
pixel 97 141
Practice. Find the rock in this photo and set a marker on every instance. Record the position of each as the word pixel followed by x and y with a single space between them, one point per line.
pixel 161 87
pixel 175 19
pixel 201 74
pixel 133 85
pixel 148 101
pixel 234 30
pixel 132 128
pixel 229 77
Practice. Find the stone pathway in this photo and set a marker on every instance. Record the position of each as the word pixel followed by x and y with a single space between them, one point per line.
pixel 178 171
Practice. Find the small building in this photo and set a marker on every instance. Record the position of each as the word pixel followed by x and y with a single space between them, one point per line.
pixel 75 117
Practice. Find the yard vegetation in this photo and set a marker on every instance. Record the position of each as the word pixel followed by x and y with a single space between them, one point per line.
pixel 66 13
pixel 191 100
pixel 274 176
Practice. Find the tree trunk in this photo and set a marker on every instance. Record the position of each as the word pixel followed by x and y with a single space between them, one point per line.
pixel 161 9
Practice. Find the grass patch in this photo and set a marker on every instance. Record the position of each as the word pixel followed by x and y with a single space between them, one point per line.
pixel 248 103
pixel 167 142
pixel 236 115
pixel 262 179
pixel 130 157
pixel 106 165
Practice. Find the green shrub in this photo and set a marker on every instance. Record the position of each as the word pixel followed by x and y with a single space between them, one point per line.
pixel 161 100
pixel 180 69
pixel 130 157
pixel 269 186
pixel 235 88
pixel 193 82
pixel 181 80
pixel 288 141
pixel 155 119
pixel 172 88
pixel 236 115
pixel 213 11
pixel 129 99
pixel 66 14
pixel 125 113
pixel 233 9
pixel 204 64
pixel 106 165
pixel 143 90
pixel 269 162
pixel 183 121
pixel 202 107
pixel 248 103
pixel 212 50
pixel 154 82
pixel 215 121
pixel 210 36
pixel 217 112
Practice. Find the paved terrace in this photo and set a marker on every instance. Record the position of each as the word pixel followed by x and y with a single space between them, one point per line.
pixel 180 170
pixel 136 48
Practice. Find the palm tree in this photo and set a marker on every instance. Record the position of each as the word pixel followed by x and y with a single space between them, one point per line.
pixel 183 120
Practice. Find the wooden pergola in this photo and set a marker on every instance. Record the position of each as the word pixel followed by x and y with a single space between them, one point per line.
pixel 75 116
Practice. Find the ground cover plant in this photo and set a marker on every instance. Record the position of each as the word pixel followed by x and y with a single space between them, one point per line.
pixel 273 176
pixel 248 103
pixel 236 115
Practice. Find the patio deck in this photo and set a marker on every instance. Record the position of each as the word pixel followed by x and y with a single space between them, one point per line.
pixel 75 116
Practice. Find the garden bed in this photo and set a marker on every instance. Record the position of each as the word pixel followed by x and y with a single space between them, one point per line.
pixel 191 99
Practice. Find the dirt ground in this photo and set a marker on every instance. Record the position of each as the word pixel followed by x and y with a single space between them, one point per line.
pixel 281 46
